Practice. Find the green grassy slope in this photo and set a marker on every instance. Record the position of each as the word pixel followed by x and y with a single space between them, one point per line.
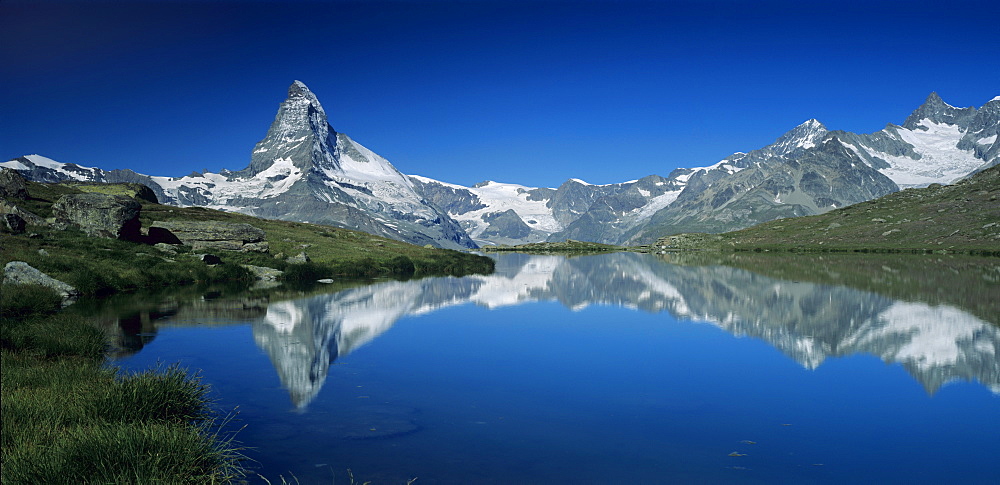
pixel 122 265
pixel 963 217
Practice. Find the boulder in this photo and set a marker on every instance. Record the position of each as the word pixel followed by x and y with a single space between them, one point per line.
pixel 264 273
pixel 99 215
pixel 12 223
pixel 133 190
pixel 299 259
pixel 202 235
pixel 29 218
pixel 209 259
pixel 12 185
pixel 167 248
pixel 21 273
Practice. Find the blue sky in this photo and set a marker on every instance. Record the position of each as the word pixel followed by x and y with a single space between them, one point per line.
pixel 465 91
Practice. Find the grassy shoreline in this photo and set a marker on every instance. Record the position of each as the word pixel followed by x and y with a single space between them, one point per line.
pixel 70 418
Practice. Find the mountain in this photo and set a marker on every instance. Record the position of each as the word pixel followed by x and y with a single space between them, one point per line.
pixel 808 170
pixel 961 217
pixel 498 213
pixel 303 170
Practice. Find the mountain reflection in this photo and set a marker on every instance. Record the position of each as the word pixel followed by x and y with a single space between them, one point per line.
pixel 808 322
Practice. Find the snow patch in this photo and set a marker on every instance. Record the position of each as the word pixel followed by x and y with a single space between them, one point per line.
pixel 940 160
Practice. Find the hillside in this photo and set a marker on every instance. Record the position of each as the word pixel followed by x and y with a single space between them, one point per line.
pixel 331 252
pixel 963 217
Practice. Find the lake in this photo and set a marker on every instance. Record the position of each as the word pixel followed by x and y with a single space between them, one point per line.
pixel 615 368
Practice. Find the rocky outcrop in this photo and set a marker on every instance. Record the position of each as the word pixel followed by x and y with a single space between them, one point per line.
pixel 204 235
pixel 134 190
pixel 21 273
pixel 99 215
pixel 12 185
pixel 31 219
pixel 12 223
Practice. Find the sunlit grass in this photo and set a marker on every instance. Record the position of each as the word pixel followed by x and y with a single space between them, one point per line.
pixel 68 418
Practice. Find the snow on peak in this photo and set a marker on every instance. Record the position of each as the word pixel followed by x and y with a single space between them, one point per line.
pixel 812 123
pixel 298 89
pixel 44 161
pixel 997 98
pixel 579 181
pixel 70 171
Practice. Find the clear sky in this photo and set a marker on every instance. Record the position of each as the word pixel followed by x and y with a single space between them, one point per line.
pixel 465 91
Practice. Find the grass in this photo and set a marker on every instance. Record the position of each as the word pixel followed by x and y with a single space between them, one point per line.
pixel 67 418
pixel 103 266
pixel 340 252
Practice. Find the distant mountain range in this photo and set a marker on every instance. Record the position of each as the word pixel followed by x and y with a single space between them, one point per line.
pixel 303 170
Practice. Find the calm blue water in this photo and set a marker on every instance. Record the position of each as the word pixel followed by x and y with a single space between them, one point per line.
pixel 602 369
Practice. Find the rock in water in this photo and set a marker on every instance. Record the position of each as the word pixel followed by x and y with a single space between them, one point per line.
pixel 100 215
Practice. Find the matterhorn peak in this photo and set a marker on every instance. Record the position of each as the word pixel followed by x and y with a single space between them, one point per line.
pixel 299 91
pixel 299 133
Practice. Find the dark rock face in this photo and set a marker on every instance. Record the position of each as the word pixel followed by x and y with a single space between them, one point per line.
pixel 12 185
pixel 29 218
pixel 506 224
pixel 210 259
pixel 936 110
pixel 452 200
pixel 21 273
pixel 12 223
pixel 816 180
pixel 100 215
pixel 201 235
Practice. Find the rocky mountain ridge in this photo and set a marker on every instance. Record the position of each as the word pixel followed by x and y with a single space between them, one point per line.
pixel 303 170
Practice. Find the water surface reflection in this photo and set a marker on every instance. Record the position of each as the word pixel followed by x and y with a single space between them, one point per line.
pixel 808 322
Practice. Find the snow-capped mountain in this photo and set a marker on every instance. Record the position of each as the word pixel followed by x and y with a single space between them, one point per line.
pixel 303 170
pixel 808 170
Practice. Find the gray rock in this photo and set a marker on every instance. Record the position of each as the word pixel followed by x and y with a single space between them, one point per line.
pixel 167 248
pixel 257 247
pixel 264 273
pixel 21 273
pixel 12 185
pixel 298 259
pixel 209 235
pixel 99 215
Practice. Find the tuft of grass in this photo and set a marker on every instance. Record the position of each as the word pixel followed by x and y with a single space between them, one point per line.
pixel 18 301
